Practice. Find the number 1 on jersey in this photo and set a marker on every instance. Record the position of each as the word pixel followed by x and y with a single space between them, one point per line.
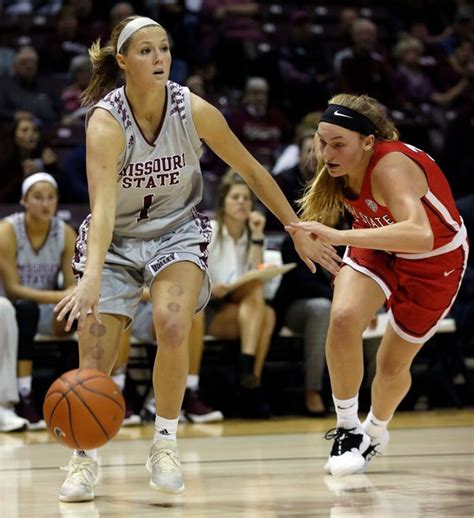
pixel 147 201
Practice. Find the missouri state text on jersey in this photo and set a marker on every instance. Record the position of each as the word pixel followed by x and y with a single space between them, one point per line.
pixel 158 172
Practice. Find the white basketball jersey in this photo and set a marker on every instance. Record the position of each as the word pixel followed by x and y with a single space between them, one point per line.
pixel 158 183
pixel 38 268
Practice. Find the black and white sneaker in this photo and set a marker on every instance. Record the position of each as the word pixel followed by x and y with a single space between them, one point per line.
pixel 347 453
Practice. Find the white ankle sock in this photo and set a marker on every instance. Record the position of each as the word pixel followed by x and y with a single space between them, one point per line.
pixel 90 453
pixel 24 385
pixel 165 429
pixel 373 426
pixel 192 382
pixel 346 410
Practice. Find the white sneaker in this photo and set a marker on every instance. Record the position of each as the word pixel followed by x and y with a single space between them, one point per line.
pixel 377 445
pixel 346 457
pixel 83 473
pixel 9 421
pixel 165 468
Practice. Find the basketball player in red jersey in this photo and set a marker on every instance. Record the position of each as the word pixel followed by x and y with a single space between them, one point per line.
pixel 407 249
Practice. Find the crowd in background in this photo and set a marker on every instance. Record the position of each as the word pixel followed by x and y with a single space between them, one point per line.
pixel 270 67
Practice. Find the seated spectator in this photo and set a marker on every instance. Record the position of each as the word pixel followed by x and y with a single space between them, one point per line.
pixel 292 181
pixel 63 45
pixel 237 246
pixel 290 156
pixel 35 248
pixel 304 67
pixel 303 304
pixel 239 33
pixel 260 127
pixel 414 84
pixel 24 154
pixel 361 68
pixel 9 420
pixel 80 70
pixel 25 92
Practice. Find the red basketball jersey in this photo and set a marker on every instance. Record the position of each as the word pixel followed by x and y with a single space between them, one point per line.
pixel 446 223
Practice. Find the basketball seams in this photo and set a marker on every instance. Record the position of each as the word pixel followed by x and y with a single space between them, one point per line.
pixel 69 413
pixel 91 413
pixel 95 391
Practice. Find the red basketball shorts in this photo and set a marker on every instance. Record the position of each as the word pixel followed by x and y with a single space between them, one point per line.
pixel 419 292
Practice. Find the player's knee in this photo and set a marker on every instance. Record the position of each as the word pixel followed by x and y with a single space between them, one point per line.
pixel 345 320
pixel 390 370
pixel 170 329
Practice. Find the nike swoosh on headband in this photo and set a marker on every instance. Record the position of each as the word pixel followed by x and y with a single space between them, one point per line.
pixel 339 114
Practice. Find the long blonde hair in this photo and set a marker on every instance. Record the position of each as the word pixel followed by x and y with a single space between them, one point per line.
pixel 323 198
pixel 106 74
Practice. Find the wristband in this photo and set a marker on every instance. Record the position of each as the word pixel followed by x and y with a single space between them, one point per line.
pixel 259 242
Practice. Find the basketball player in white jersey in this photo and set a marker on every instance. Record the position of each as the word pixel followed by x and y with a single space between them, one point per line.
pixel 35 247
pixel 144 141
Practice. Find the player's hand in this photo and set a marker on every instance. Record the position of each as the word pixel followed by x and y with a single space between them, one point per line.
pixel 78 303
pixel 256 224
pixel 318 230
pixel 311 250
pixel 219 291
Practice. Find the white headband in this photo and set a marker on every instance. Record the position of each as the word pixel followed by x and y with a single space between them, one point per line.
pixel 29 181
pixel 132 27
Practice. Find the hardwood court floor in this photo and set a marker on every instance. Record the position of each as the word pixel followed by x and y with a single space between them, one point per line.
pixel 255 469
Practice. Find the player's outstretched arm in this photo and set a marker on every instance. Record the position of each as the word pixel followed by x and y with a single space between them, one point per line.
pixel 213 129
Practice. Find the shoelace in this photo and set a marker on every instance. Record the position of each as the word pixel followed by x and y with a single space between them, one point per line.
pixel 168 460
pixel 344 440
pixel 79 472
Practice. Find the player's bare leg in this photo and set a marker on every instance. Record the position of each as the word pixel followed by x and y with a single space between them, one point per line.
pixel 174 293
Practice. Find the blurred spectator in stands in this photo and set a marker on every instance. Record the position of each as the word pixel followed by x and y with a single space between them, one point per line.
pixel 415 87
pixel 360 68
pixel 119 12
pixel 237 246
pixel 347 17
pixel 43 7
pixel 64 45
pixel 74 185
pixel 261 128
pixel 80 70
pixel 460 93
pixel 290 156
pixel 23 155
pixel 293 180
pixel 462 28
pixel 304 67
pixel 35 249
pixel 238 35
pixel 9 420
pixel 303 303
pixel 91 26
pixel 24 91
pixel 458 153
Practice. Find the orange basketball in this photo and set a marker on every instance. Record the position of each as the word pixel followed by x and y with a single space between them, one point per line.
pixel 84 409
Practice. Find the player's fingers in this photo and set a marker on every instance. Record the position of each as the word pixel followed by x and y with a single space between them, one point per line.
pixel 72 316
pixel 66 308
pixel 96 314
pixel 61 304
pixel 309 263
pixel 81 319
